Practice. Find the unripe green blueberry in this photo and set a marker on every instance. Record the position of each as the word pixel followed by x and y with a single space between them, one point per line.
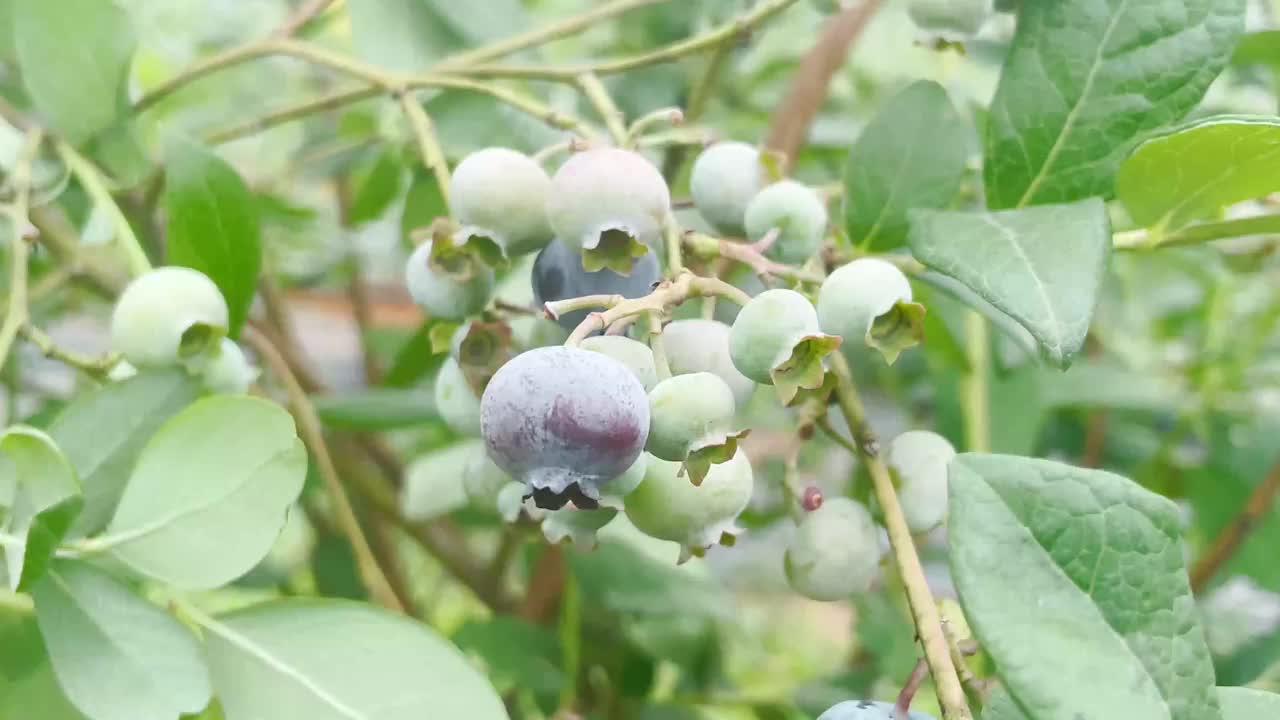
pixel 835 552
pixel 483 480
pixel 635 355
pixel 669 507
pixel 868 301
pixel 501 195
pixel 575 526
pixel 796 212
pixel 950 17
pixel 457 403
pixel 698 345
pixel 228 371
pixel 609 205
pixel 868 710
pixel 691 421
pixel 776 341
pixel 433 482
pixel 450 285
pixel 725 177
pixel 920 459
pixel 167 316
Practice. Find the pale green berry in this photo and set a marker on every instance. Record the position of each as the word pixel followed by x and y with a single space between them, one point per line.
pixel 796 212
pixel 691 420
pixel 609 205
pixel 920 459
pixel 958 17
pixel 501 195
pixel 869 710
pixel 669 507
pixel 835 553
pixel 167 316
pixel 868 301
pixel 635 355
pixel 456 402
pixel 483 480
pixel 698 345
pixel 575 526
pixel 724 179
pixel 451 286
pixel 228 371
pixel 433 482
pixel 776 340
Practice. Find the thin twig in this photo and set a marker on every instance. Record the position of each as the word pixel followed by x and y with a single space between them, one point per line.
pixel 94 185
pixel 668 294
pixel 790 124
pixel 748 254
pixel 602 101
pixel 305 13
pixel 424 134
pixel 19 238
pixel 924 610
pixel 1236 531
pixel 309 427
pixel 95 365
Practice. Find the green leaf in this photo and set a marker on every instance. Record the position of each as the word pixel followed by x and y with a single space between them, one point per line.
pixel 515 653
pixel 415 359
pixel 1247 704
pixel 1074 579
pixel 210 492
pixel 1258 48
pixel 1083 81
pixel 47 530
pixel 337 660
pixel 423 203
pixel 117 656
pixel 376 409
pixel 75 57
pixel 1043 266
pixel 1001 706
pixel 1101 384
pixel 213 224
pixel 28 688
pixel 1194 171
pixel 37 478
pixel 102 431
pixel 400 35
pixel 375 187
pixel 621 579
pixel 911 155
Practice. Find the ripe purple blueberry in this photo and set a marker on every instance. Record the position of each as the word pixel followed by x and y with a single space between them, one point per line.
pixel 564 422
pixel 500 196
pixel 609 205
pixel 558 274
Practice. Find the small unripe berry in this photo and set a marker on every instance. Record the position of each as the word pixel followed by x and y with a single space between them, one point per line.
pixel 635 355
pixel 950 17
pixel 167 316
pixel 698 345
pixel 835 553
pixel 576 526
pixel 565 422
pixel 691 421
pixel 776 341
pixel 724 179
pixel 796 212
pixel 483 480
pixel 669 507
pixel 869 710
pixel 608 205
pixel 450 285
pixel 868 301
pixel 920 459
pixel 228 371
pixel 456 401
pixel 501 195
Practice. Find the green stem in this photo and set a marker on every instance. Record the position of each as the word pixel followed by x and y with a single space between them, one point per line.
pixel 293 112
pixel 570 641
pixel 18 248
pixel 598 95
pixel 975 391
pixel 95 185
pixel 1198 233
pixel 428 143
pixel 924 609
pixel 659 348
pixel 95 365
pixel 671 235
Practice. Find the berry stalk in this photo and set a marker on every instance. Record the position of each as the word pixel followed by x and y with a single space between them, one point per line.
pixel 924 610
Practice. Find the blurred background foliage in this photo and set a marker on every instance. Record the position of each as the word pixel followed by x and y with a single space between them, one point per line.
pixel 1179 387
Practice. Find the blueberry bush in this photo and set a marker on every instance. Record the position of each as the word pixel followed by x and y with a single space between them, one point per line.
pixel 639 359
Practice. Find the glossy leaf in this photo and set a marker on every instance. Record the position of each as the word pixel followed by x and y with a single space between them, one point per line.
pixel 117 656
pixel 1258 48
pixel 911 155
pixel 1084 81
pixel 102 431
pixel 213 224
pixel 515 653
pixel 1001 706
pixel 1074 578
pixel 1248 704
pixel 1043 266
pixel 47 530
pixel 75 57
pixel 209 495
pixel 336 660
pixel 37 479
pixel 1198 169
pixel 375 187
pixel 423 203
pixel 28 688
